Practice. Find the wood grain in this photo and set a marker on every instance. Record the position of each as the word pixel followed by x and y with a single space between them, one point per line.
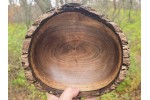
pixel 73 46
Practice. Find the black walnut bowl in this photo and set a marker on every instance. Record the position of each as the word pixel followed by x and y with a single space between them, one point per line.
pixel 73 46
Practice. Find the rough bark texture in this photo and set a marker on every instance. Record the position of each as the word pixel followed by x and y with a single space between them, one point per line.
pixel 30 75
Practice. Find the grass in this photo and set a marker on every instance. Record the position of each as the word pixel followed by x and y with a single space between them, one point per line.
pixel 127 90
pixel 19 88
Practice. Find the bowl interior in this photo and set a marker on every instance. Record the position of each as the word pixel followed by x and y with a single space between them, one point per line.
pixel 72 49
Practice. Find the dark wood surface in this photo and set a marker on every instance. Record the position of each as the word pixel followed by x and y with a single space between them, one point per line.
pixel 74 46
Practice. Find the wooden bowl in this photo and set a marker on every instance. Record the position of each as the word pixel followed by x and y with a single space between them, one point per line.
pixel 72 46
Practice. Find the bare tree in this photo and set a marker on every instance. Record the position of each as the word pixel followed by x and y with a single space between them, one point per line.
pixel 61 2
pixel 65 1
pixel 84 1
pixel 117 10
pixel 57 3
pixel 10 2
pixel 114 3
pixel 115 7
pixel 130 8
pixel 27 12
pixel 44 5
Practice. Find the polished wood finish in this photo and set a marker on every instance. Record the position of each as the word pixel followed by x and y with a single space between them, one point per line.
pixel 73 46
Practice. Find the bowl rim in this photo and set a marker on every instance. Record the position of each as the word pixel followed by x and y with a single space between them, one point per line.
pixel 74 7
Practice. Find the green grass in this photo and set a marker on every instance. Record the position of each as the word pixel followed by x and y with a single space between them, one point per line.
pixel 124 91
pixel 17 78
pixel 132 30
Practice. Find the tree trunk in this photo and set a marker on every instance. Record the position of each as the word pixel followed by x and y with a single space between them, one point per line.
pixel 129 18
pixel 44 5
pixel 61 2
pixel 57 3
pixel 114 3
pixel 84 1
pixel 66 1
pixel 27 11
